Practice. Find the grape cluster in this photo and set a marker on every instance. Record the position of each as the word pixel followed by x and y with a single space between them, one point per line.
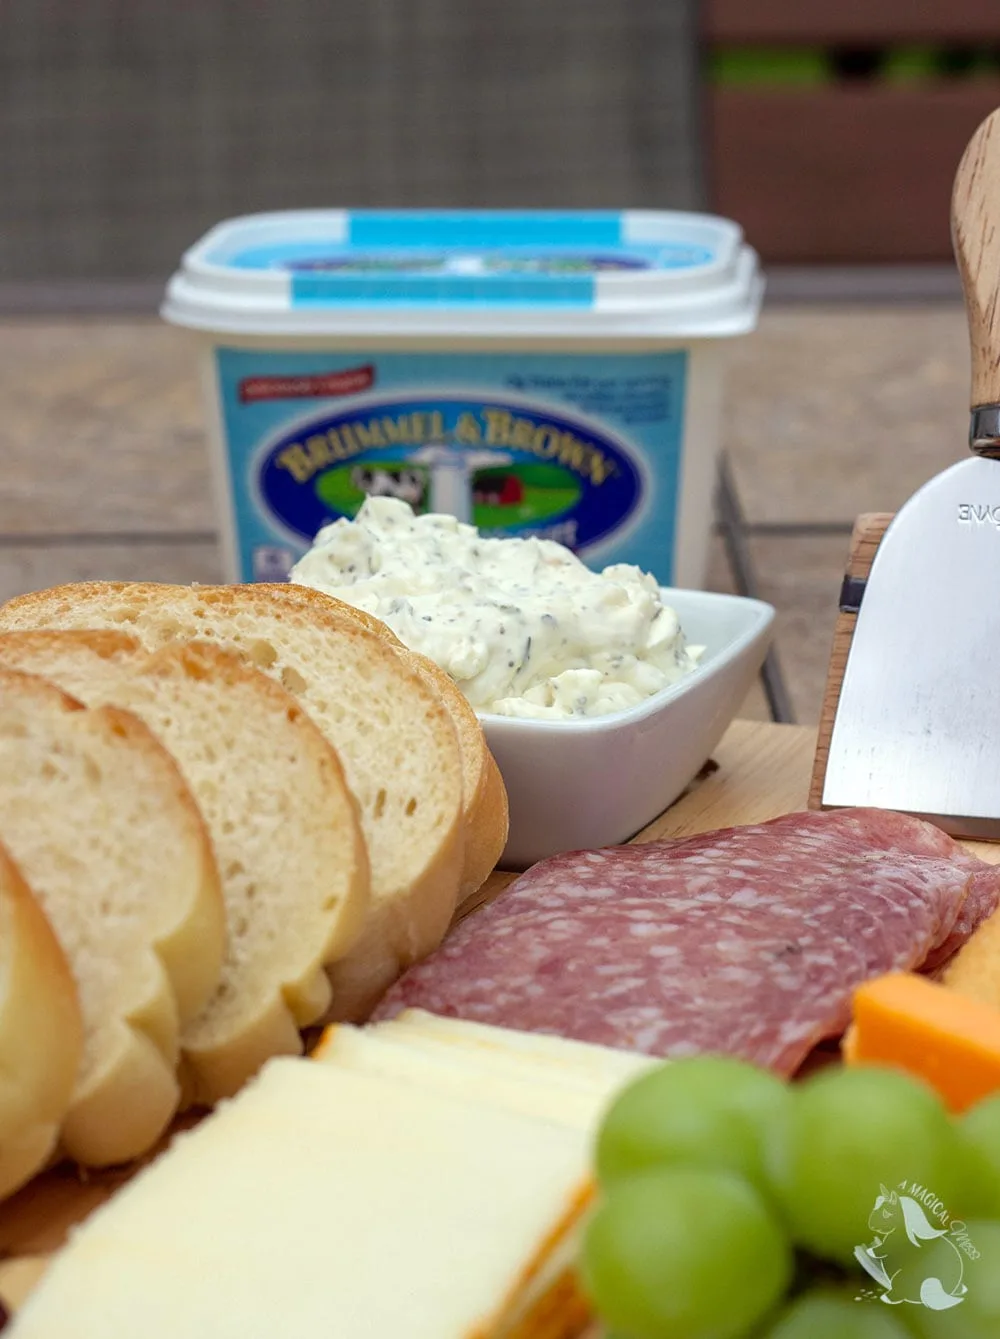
pixel 732 1206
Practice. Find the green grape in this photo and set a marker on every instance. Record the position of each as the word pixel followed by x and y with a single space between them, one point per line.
pixel 978 1314
pixel 830 1314
pixel 684 1253
pixel 849 1135
pixel 707 1111
pixel 980 1129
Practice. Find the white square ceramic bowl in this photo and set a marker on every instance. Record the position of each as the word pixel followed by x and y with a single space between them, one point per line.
pixel 596 781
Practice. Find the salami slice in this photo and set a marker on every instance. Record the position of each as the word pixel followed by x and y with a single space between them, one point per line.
pixel 747 940
pixel 979 905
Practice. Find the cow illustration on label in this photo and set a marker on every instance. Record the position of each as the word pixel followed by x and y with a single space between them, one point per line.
pixel 408 485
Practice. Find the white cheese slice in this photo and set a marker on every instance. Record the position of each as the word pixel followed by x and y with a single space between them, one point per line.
pixel 601 1064
pixel 482 1077
pixel 501 1064
pixel 329 1201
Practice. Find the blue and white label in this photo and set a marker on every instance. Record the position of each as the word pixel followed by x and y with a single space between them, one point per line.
pixel 580 448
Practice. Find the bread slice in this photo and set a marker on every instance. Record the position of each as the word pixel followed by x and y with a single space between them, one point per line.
pixel 484 798
pixel 103 828
pixel 484 805
pixel 396 741
pixel 284 825
pixel 41 1032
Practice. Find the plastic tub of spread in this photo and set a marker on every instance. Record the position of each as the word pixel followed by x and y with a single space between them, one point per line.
pixel 557 374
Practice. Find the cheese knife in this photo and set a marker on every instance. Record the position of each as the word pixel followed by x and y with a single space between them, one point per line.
pixel 917 726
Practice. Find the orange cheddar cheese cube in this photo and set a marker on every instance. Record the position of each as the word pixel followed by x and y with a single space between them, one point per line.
pixel 930 1031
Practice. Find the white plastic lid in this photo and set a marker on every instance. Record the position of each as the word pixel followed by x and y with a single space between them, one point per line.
pixel 487 272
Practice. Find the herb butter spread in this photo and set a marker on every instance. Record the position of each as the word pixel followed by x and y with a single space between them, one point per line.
pixel 521 625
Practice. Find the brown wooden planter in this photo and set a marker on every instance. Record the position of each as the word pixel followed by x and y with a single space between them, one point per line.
pixel 823 22
pixel 843 173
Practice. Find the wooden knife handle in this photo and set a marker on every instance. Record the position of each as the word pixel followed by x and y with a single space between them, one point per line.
pixel 975 230
pixel 865 539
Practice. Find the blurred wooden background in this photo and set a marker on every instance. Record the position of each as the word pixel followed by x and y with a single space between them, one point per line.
pixel 834 127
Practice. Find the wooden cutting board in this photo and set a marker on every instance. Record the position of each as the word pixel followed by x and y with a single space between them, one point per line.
pixel 758 772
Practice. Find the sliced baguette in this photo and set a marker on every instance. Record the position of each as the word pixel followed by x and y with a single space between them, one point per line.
pixel 484 798
pixel 41 1032
pixel 284 825
pixel 484 804
pixel 103 828
pixel 396 741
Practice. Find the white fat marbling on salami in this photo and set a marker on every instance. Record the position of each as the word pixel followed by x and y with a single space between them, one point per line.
pixel 747 940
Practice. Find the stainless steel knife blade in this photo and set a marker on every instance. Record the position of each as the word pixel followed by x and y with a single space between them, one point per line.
pixel 918 721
